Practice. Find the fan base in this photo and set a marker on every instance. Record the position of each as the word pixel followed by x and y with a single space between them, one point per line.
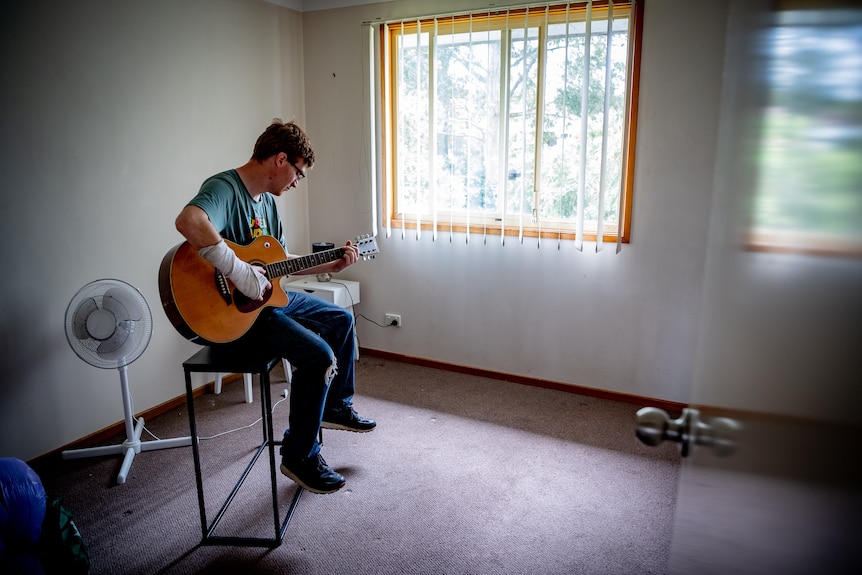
pixel 131 447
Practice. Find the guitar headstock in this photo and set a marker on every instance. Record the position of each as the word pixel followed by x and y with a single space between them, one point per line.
pixel 367 245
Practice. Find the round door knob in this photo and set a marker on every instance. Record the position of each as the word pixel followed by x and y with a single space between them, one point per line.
pixel 652 426
pixel 655 426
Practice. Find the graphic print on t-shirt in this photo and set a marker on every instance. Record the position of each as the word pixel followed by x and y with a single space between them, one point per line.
pixel 258 227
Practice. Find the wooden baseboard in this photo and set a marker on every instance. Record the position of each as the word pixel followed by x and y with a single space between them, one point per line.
pixel 672 407
pixel 102 435
pixel 106 433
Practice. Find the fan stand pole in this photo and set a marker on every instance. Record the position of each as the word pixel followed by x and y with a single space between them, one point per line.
pixel 132 445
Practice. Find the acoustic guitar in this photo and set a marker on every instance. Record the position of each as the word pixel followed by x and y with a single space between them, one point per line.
pixel 206 308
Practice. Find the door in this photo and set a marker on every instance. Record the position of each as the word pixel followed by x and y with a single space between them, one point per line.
pixel 780 343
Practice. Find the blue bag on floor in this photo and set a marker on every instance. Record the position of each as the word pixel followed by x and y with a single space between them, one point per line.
pixel 22 512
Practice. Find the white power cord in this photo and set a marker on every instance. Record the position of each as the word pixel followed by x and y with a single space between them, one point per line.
pixel 252 424
pixel 283 398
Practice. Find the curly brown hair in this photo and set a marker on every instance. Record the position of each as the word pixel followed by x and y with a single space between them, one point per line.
pixel 288 138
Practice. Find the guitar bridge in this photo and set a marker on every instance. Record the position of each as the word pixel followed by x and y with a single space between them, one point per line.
pixel 222 287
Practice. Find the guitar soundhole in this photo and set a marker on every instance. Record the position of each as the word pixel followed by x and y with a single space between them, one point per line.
pixel 245 304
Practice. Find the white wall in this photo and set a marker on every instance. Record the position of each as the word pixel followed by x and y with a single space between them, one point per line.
pixel 624 322
pixel 114 112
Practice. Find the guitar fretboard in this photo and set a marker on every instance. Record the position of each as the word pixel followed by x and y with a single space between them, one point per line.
pixel 292 266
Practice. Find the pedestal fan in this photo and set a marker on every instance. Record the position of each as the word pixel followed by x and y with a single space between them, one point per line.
pixel 109 325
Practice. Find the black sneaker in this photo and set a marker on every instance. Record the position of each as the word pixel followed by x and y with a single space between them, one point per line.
pixel 313 474
pixel 347 419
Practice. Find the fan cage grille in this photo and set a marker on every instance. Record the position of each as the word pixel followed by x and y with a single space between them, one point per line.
pixel 132 332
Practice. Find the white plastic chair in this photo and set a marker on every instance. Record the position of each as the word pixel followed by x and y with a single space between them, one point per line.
pixel 246 379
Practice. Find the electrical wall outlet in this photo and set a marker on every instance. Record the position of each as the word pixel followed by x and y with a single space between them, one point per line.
pixel 393 319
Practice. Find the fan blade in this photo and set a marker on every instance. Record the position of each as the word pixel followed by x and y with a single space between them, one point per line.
pixel 133 304
pixel 79 319
pixel 122 304
pixel 118 345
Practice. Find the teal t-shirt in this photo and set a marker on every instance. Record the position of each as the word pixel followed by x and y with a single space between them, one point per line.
pixel 233 212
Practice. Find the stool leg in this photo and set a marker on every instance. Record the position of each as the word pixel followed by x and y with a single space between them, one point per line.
pixel 269 440
pixel 190 404
pixel 288 371
pixel 246 378
pixel 217 384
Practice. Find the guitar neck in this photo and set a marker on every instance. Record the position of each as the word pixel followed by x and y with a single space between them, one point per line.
pixel 295 265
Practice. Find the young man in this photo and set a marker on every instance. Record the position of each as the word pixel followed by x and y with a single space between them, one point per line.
pixel 315 336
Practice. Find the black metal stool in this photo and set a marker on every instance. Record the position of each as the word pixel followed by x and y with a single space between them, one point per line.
pixel 228 360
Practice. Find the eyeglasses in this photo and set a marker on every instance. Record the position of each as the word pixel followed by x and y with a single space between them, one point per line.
pixel 299 175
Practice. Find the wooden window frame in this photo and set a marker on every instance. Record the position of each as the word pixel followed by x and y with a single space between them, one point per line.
pixel 612 233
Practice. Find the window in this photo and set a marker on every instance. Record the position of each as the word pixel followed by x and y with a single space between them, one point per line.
pixel 807 168
pixel 512 122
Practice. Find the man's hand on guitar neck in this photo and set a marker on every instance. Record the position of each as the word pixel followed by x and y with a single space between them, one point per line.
pixel 350 257
pixel 251 280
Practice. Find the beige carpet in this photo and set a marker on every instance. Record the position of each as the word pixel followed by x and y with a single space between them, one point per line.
pixel 464 475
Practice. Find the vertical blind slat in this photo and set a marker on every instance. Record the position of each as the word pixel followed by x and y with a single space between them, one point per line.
pixel 505 88
pixel 524 133
pixel 565 179
pixel 604 163
pixel 367 41
pixel 387 122
pixel 432 133
pixel 403 127
pixel 468 138
pixel 624 151
pixel 585 95
pixel 418 124
pixel 541 66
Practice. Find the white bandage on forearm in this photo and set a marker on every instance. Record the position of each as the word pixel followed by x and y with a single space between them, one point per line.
pixel 243 275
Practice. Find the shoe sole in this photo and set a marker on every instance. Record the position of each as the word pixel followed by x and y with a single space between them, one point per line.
pixel 301 483
pixel 327 425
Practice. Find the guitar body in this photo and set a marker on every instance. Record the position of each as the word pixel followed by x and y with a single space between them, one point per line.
pixel 202 304
pixel 206 308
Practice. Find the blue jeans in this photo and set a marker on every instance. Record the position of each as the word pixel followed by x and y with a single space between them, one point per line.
pixel 317 338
